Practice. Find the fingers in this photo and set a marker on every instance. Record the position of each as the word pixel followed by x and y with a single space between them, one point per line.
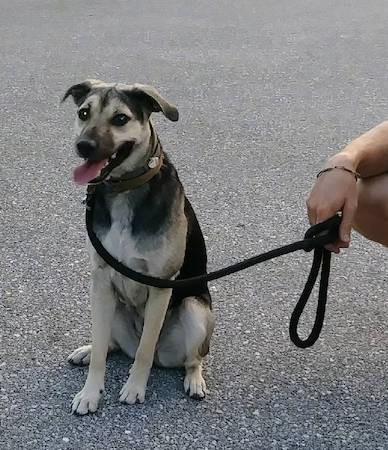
pixel 348 213
pixel 320 214
pixel 311 213
pixel 335 248
pixel 325 213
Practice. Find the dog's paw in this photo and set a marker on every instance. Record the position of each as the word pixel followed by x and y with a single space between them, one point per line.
pixel 86 401
pixel 80 356
pixel 195 385
pixel 133 392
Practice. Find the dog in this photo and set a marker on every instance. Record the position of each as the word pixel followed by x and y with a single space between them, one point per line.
pixel 149 226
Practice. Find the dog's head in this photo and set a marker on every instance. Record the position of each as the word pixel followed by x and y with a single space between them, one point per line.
pixel 113 119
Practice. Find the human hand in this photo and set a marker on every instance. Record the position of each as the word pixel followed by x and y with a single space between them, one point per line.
pixel 334 191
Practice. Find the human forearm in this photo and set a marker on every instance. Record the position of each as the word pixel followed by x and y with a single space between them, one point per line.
pixel 368 154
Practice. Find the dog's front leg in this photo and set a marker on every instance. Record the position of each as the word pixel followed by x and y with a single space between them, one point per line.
pixel 103 307
pixel 154 315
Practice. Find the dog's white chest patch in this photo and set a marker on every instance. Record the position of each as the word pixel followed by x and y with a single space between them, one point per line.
pixel 120 242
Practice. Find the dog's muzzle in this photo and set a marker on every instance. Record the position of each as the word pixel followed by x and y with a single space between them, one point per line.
pixel 97 167
pixel 86 148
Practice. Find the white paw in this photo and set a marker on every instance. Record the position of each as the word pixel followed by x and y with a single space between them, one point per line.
pixel 80 356
pixel 195 385
pixel 86 401
pixel 133 392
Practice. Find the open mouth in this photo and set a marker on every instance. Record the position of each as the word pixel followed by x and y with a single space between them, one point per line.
pixel 89 170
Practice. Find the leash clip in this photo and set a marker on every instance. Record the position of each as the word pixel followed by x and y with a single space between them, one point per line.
pixel 86 201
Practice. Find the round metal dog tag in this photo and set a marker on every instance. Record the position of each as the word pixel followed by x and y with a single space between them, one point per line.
pixel 153 162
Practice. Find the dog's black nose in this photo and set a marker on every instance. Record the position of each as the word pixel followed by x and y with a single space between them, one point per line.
pixel 86 147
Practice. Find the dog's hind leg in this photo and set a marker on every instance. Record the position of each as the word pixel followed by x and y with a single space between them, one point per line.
pixel 81 355
pixel 198 324
pixel 126 330
pixel 124 337
pixel 185 341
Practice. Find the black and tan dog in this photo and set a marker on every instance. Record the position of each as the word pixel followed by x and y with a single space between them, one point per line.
pixel 143 218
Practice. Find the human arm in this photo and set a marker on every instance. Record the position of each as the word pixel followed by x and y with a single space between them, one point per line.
pixel 336 190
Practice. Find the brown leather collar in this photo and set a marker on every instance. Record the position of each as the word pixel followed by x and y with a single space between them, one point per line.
pixel 125 184
pixel 139 176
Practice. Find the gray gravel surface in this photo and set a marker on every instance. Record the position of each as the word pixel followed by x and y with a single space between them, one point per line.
pixel 266 91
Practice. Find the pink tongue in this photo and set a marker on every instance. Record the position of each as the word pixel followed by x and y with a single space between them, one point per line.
pixel 87 171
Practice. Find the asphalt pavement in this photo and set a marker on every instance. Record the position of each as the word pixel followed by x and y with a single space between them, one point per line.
pixel 266 91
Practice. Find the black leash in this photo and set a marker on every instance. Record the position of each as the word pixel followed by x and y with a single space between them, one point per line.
pixel 316 238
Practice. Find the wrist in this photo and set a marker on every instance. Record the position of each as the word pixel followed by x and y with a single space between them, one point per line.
pixel 343 168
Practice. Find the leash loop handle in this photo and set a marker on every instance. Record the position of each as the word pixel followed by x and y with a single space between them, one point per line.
pixel 321 261
pixel 316 237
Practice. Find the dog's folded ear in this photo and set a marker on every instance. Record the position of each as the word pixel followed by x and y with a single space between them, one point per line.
pixel 150 98
pixel 78 92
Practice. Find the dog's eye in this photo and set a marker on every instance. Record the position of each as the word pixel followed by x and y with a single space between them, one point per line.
pixel 119 120
pixel 83 114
